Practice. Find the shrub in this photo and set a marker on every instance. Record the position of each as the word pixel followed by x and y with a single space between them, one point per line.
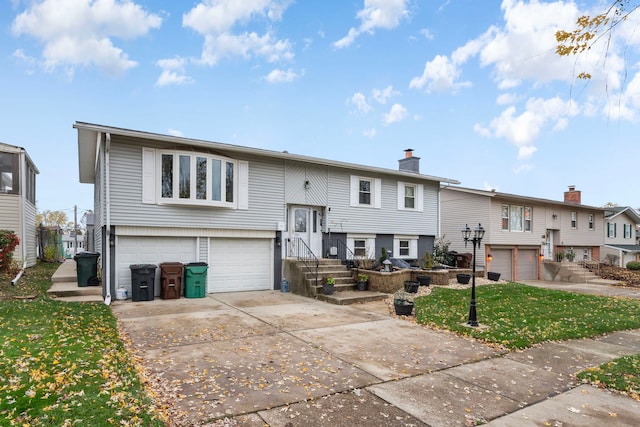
pixel 8 243
pixel 633 265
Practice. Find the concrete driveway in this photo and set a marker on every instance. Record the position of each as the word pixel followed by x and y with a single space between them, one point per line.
pixel 271 358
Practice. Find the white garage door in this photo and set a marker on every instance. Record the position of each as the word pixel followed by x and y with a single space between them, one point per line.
pixel 151 250
pixel 240 265
pixel 527 264
pixel 502 263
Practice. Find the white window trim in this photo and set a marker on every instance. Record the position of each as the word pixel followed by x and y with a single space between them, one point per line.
pixel 376 192
pixel 413 247
pixel 511 209
pixel 627 231
pixel 370 244
pixel 591 221
pixel 419 197
pixel 573 215
pixel 151 180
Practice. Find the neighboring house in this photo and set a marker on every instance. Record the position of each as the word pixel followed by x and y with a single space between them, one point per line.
pixel 69 243
pixel 245 211
pixel 521 231
pixel 620 235
pixel 18 200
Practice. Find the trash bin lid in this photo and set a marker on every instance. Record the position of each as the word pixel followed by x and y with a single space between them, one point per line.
pixel 197 264
pixel 141 266
pixel 86 255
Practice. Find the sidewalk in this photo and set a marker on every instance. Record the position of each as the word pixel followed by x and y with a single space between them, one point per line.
pixel 279 359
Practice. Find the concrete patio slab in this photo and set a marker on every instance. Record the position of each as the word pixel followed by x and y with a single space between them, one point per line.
pixel 250 374
pixel 582 406
pixel 355 408
pixel 392 348
pixel 164 307
pixel 440 399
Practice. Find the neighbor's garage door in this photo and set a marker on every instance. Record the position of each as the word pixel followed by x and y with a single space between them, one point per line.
pixel 527 264
pixel 240 265
pixel 502 263
pixel 151 250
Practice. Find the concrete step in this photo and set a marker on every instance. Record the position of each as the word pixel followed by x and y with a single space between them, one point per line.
pixel 599 281
pixel 352 297
pixel 338 287
pixel 71 289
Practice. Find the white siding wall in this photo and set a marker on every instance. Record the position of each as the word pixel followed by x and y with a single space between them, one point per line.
pixel 460 209
pixel 620 222
pixel 30 239
pixel 296 174
pixel 503 237
pixel 10 219
pixel 581 236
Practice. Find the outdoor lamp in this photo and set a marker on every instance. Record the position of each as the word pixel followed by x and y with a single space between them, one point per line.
pixel 478 234
pixel 489 257
pixel 387 265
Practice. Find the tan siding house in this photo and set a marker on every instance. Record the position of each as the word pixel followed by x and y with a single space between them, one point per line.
pixel 521 232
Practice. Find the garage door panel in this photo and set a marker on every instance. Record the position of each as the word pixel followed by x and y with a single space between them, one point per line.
pixel 527 264
pixel 240 265
pixel 502 263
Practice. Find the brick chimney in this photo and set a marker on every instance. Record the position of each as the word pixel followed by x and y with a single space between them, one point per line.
pixel 409 163
pixel 572 196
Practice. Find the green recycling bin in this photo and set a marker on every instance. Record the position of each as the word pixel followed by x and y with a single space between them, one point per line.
pixel 87 268
pixel 195 283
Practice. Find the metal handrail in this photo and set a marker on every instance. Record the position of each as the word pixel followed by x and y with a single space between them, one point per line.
pixel 304 253
pixel 587 263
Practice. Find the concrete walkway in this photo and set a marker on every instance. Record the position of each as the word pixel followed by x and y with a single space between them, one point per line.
pixel 279 359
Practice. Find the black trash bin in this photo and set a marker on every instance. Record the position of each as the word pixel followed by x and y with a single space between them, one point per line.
pixel 195 283
pixel 87 268
pixel 143 280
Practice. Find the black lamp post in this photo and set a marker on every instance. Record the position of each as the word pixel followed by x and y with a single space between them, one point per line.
pixel 478 234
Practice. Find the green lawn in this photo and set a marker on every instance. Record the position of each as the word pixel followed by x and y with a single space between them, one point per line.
pixel 64 363
pixel 517 316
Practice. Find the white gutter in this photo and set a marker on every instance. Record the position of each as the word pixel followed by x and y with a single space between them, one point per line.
pixel 107 257
pixel 23 182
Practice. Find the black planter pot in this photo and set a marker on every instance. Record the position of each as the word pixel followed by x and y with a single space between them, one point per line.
pixel 403 309
pixel 327 288
pixel 362 285
pixel 492 275
pixel 463 278
pixel 411 287
pixel 424 280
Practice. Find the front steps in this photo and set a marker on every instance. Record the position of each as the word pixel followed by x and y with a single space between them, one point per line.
pixel 345 287
pixel 573 272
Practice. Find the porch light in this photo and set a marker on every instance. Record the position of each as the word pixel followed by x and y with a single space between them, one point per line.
pixel 489 257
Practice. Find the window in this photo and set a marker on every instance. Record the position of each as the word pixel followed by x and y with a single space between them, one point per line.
pixel 362 245
pixel 364 195
pixel 405 247
pixel 517 218
pixel 410 197
pixel 365 192
pixel 9 169
pixel 31 185
pixel 611 229
pixel 627 231
pixel 197 179
pixel 590 220
pixel 574 220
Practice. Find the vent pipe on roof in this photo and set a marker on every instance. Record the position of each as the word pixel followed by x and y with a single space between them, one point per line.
pixel 409 163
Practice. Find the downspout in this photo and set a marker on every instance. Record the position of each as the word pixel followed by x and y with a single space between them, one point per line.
pixel 23 195
pixel 107 270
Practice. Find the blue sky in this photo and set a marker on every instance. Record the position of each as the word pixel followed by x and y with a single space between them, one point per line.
pixel 474 87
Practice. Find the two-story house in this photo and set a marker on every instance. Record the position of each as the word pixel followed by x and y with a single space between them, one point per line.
pixel 620 235
pixel 18 200
pixel 245 211
pixel 520 231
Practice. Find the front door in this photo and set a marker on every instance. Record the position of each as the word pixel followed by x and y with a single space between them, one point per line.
pixel 304 225
pixel 547 246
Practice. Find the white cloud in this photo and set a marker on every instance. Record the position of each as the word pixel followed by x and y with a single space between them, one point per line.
pixel 524 167
pixel 426 34
pixel 506 98
pixel 381 95
pixel 281 76
pixel 385 14
pixel 216 21
pixel 397 113
pixel 440 75
pixel 173 72
pixel 370 133
pixel 360 101
pixel 79 33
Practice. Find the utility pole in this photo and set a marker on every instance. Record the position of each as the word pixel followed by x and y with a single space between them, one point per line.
pixel 75 229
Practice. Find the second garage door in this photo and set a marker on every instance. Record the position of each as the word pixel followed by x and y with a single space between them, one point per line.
pixel 527 264
pixel 240 265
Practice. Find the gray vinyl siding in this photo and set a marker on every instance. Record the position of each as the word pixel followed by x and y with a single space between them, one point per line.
pixel 581 236
pixel 203 250
pixel 499 236
pixel 98 202
pixel 460 209
pixel 266 196
pixel 30 230
pixel 296 174
pixel 9 212
pixel 620 221
pixel 388 219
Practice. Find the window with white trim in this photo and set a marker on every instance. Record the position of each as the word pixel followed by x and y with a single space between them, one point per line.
pixel 627 231
pixel 362 245
pixel 365 192
pixel 410 197
pixel 9 173
pixel 517 218
pixel 611 229
pixel 574 220
pixel 590 221
pixel 405 247
pixel 194 179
